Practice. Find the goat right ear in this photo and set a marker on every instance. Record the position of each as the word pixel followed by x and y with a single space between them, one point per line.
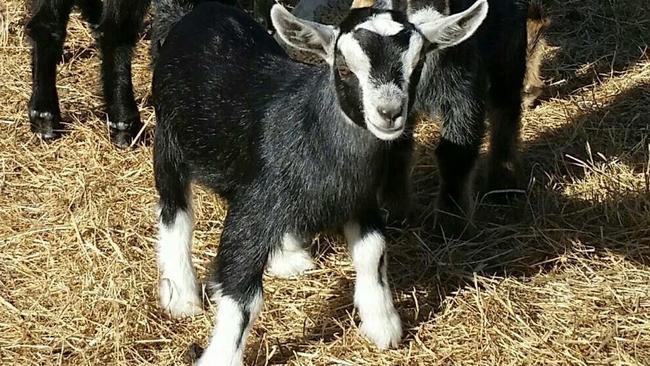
pixel 303 34
pixel 451 30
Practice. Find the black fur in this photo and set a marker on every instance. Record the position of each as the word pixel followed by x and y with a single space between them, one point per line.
pixel 117 23
pixel 483 74
pixel 236 114
pixel 261 132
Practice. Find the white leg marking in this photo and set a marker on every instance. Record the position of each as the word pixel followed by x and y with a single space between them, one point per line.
pixel 380 321
pixel 178 288
pixel 291 260
pixel 226 347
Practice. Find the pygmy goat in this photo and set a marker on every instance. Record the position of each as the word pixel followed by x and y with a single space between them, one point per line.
pixel 483 76
pixel 294 148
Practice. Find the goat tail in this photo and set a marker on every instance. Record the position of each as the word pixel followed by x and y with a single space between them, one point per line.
pixel 166 14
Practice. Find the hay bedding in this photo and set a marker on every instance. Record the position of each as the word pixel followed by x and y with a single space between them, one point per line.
pixel 560 279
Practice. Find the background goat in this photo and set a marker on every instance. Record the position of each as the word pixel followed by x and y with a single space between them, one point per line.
pixel 116 24
pixel 294 148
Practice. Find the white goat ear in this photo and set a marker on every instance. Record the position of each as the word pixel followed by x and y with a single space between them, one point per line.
pixel 303 34
pixel 448 31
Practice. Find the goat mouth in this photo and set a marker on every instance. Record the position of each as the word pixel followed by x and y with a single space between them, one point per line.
pixel 385 133
pixel 385 129
pixel 389 130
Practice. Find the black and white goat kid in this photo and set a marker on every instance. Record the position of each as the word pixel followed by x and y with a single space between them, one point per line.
pixel 482 76
pixel 294 148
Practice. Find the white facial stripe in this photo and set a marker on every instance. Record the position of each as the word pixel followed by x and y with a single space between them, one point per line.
pixel 387 96
pixel 391 96
pixel 382 24
pixel 355 58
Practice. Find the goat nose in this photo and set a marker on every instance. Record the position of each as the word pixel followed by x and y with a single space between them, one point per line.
pixel 390 114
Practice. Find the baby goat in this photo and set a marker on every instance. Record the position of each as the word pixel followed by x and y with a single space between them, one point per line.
pixel 294 148
pixel 483 76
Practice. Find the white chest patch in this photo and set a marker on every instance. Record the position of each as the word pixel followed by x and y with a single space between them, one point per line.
pixel 382 24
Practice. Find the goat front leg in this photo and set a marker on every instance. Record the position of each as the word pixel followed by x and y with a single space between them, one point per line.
pixel 237 280
pixel 457 152
pixel 380 321
pixel 118 33
pixel 504 114
pixel 47 29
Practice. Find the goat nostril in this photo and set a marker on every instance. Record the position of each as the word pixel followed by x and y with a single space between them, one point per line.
pixel 390 114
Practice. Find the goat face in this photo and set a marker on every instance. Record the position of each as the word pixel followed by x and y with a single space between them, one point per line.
pixel 376 56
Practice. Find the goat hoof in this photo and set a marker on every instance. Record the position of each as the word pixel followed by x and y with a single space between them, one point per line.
pixel 44 124
pixel 179 302
pixel 123 133
pixel 384 331
pixel 503 183
pixel 290 263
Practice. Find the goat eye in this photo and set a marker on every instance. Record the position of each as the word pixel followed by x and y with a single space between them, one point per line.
pixel 344 71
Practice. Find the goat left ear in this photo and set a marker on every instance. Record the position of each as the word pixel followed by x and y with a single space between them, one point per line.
pixel 451 30
pixel 303 34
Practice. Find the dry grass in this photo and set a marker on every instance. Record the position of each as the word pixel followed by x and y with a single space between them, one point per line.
pixel 562 278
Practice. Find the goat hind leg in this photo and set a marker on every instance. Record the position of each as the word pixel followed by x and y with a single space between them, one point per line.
pixel 503 170
pixel 457 152
pixel 118 32
pixel 507 72
pixel 504 114
pixel 47 29
pixel 291 259
pixel 179 292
